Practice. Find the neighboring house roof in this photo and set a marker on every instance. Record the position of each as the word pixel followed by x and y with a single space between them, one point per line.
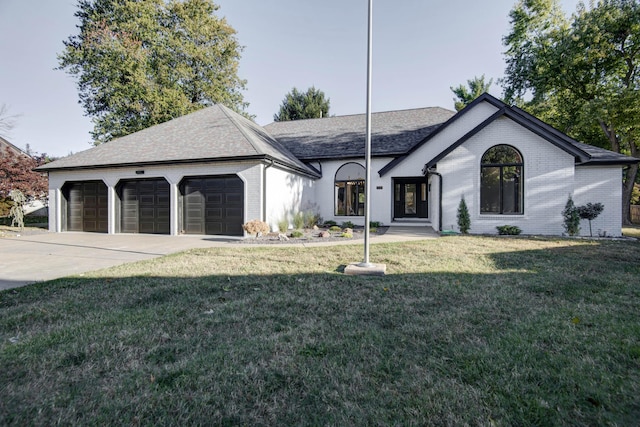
pixel 583 153
pixel 6 145
pixel 211 134
pixel 393 133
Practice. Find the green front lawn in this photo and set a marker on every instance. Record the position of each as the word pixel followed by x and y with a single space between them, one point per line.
pixel 462 330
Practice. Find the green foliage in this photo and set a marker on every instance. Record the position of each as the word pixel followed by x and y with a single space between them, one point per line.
pixel 509 230
pixel 347 235
pixel 335 228
pixel 581 75
pixel 375 224
pixel 571 219
pixel 348 224
pixel 476 87
pixel 139 63
pixel 297 233
pixel 303 105
pixel 590 211
pixel 311 218
pixel 283 224
pixel 256 227
pixel 17 210
pixel 464 221
pixel 330 223
pixel 298 220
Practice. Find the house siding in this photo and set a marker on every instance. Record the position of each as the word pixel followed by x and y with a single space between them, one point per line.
pixel 249 172
pixel 548 181
pixel 602 184
pixel 286 194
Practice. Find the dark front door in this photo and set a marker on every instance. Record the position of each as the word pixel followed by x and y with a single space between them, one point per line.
pixel 213 205
pixel 410 198
pixel 87 206
pixel 144 206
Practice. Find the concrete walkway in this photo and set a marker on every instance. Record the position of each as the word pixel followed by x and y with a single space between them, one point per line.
pixel 34 257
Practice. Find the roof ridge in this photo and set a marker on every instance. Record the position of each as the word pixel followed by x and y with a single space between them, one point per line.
pixel 227 112
pixel 362 114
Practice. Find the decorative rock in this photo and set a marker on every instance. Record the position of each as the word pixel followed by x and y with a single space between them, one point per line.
pixel 283 237
pixel 324 234
pixel 348 231
pixel 315 227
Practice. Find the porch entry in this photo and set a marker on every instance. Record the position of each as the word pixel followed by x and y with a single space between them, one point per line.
pixel 410 196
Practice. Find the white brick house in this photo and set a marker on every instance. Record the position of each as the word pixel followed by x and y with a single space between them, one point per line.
pixel 213 170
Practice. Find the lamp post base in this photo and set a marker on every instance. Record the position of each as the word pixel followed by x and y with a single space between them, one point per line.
pixel 365 269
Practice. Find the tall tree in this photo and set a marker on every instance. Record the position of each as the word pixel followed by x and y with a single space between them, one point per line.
pixel 303 105
pixel 143 62
pixel 582 75
pixel 466 94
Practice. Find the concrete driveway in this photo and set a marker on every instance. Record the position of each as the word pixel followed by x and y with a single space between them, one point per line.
pixel 38 256
pixel 34 257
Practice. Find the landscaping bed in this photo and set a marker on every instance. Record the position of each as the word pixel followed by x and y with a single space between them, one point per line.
pixel 312 235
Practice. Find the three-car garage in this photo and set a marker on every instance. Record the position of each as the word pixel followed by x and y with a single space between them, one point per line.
pixel 208 205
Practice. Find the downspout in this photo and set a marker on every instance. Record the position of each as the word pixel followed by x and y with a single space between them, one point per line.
pixel 432 171
pixel 264 190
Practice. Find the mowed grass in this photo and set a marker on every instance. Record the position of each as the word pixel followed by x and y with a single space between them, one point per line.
pixel 461 331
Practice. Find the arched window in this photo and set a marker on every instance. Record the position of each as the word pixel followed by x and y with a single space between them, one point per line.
pixel 501 181
pixel 349 190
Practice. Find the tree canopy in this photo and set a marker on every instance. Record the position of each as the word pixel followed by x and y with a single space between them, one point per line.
pixel 581 75
pixel 16 173
pixel 466 94
pixel 303 105
pixel 143 62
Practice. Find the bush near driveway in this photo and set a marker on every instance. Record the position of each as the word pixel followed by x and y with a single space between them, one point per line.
pixel 463 330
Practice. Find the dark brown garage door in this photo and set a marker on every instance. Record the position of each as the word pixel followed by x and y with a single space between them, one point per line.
pixel 213 205
pixel 87 206
pixel 144 206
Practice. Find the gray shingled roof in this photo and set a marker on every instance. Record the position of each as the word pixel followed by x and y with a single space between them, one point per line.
pixel 394 133
pixel 213 133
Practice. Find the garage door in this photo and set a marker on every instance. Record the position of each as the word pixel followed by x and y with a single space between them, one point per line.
pixel 213 205
pixel 87 206
pixel 144 206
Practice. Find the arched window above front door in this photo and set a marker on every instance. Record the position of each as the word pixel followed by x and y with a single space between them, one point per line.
pixel 349 190
pixel 501 181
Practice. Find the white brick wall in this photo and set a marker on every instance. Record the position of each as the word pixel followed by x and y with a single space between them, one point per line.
pixel 601 184
pixel 548 172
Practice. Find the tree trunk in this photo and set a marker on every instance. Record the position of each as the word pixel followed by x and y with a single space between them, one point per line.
pixel 627 186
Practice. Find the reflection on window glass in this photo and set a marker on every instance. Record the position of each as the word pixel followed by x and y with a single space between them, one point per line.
pixel 349 190
pixel 501 181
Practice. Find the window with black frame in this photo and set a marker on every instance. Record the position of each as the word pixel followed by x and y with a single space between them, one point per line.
pixel 350 190
pixel 501 181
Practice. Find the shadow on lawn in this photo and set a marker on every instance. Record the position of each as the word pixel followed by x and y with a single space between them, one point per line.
pixel 438 348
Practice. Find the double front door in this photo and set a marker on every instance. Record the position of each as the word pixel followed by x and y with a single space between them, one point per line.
pixel 410 197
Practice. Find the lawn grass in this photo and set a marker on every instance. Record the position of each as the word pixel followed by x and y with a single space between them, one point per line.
pixel 631 231
pixel 462 331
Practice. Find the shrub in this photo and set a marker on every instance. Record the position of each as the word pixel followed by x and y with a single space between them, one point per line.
pixel 347 235
pixel 571 218
pixel 17 210
pixel 590 211
pixel 464 221
pixel 297 233
pixel 298 220
pixel 283 224
pixel 375 224
pixel 330 223
pixel 311 218
pixel 348 224
pixel 256 227
pixel 509 230
pixel 335 228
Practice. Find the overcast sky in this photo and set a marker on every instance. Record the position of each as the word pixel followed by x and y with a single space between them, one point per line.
pixel 421 49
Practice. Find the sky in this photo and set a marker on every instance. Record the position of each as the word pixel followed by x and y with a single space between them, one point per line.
pixel 420 50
